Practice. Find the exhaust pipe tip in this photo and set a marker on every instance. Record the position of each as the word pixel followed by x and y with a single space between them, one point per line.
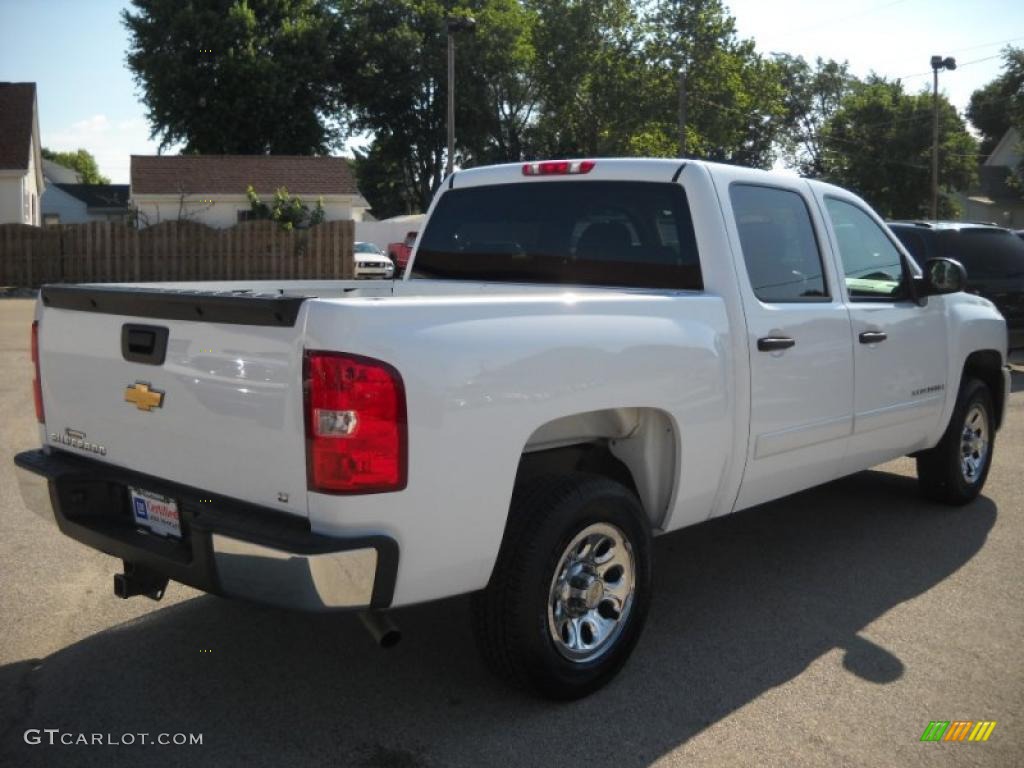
pixel 381 628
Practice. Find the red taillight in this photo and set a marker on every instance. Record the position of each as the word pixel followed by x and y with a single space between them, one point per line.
pixel 37 382
pixel 356 431
pixel 558 167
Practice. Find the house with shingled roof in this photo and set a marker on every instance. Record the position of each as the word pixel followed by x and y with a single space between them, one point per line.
pixel 82 203
pixel 21 164
pixel 211 189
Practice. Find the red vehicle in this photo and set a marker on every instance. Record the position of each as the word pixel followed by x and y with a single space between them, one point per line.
pixel 399 252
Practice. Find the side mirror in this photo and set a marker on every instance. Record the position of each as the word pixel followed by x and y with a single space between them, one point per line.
pixel 942 276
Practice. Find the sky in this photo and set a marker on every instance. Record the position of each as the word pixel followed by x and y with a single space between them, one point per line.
pixel 74 50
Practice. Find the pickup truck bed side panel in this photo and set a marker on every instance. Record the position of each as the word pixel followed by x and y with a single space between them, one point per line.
pixel 483 373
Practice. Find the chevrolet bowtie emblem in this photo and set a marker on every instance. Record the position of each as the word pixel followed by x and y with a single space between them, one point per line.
pixel 144 398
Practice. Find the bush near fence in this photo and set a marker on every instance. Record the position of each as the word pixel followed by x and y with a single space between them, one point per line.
pixel 102 252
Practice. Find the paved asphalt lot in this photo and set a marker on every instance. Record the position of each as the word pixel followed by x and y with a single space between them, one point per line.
pixel 826 629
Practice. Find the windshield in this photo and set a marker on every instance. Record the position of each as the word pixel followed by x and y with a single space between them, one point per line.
pixel 613 233
pixel 366 248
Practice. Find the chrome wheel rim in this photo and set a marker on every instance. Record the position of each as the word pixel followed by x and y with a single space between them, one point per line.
pixel 591 593
pixel 974 444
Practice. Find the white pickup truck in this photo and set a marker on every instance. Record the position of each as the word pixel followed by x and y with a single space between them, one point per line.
pixel 581 355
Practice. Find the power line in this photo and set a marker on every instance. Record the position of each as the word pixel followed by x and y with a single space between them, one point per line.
pixel 840 19
pixel 958 66
pixel 987 45
pixel 843 140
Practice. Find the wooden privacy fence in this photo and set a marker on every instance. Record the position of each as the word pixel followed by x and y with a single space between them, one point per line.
pixel 103 252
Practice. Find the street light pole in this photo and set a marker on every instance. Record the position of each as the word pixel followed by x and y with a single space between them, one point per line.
pixel 452 25
pixel 938 62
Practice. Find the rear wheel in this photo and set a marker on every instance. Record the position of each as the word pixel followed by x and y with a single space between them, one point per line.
pixel 571 588
pixel 954 471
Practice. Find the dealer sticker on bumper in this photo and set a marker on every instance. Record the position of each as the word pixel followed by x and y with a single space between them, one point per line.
pixel 156 513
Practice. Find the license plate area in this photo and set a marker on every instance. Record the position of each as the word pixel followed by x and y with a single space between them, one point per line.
pixel 155 513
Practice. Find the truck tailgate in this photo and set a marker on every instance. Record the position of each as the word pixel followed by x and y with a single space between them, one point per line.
pixel 222 411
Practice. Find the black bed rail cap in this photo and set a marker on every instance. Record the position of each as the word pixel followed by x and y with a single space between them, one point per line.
pixel 242 307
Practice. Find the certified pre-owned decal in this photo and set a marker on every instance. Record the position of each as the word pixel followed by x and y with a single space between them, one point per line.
pixel 928 390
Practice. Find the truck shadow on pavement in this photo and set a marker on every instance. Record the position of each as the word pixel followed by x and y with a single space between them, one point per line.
pixel 742 604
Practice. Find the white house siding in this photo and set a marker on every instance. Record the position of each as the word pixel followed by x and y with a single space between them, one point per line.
pixel 70 209
pixel 12 208
pixel 221 211
pixel 32 203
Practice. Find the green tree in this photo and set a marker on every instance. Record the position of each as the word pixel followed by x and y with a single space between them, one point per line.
pixel 287 210
pixel 879 144
pixel 392 71
pixel 589 77
pixel 997 106
pixel 81 161
pixel 235 76
pixel 813 95
pixel 381 171
pixel 734 96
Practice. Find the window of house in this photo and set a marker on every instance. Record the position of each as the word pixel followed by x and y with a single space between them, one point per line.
pixel 51 219
pixel 779 247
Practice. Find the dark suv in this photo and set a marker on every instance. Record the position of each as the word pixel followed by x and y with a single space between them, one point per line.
pixel 993 257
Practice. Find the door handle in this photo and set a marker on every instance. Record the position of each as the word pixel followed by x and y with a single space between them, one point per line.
pixel 774 343
pixel 873 337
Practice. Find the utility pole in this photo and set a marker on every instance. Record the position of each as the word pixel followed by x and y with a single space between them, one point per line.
pixel 937 62
pixel 451 101
pixel 682 110
pixel 452 25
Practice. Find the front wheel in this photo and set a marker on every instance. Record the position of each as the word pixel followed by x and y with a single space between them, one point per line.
pixel 571 588
pixel 954 471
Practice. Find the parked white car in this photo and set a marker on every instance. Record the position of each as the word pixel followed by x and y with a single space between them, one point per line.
pixel 371 261
pixel 582 355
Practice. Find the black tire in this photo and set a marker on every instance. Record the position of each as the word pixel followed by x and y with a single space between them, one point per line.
pixel 940 474
pixel 511 615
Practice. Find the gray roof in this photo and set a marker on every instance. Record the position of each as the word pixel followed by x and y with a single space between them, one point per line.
pixel 108 196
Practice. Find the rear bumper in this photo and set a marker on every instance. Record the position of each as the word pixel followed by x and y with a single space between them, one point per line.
pixel 228 547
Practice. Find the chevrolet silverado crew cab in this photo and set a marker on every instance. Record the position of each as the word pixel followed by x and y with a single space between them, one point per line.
pixel 582 355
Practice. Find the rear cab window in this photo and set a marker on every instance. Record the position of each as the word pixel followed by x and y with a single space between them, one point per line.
pixel 609 233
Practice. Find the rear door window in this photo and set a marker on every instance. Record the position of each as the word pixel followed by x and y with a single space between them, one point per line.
pixel 778 242
pixel 614 233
